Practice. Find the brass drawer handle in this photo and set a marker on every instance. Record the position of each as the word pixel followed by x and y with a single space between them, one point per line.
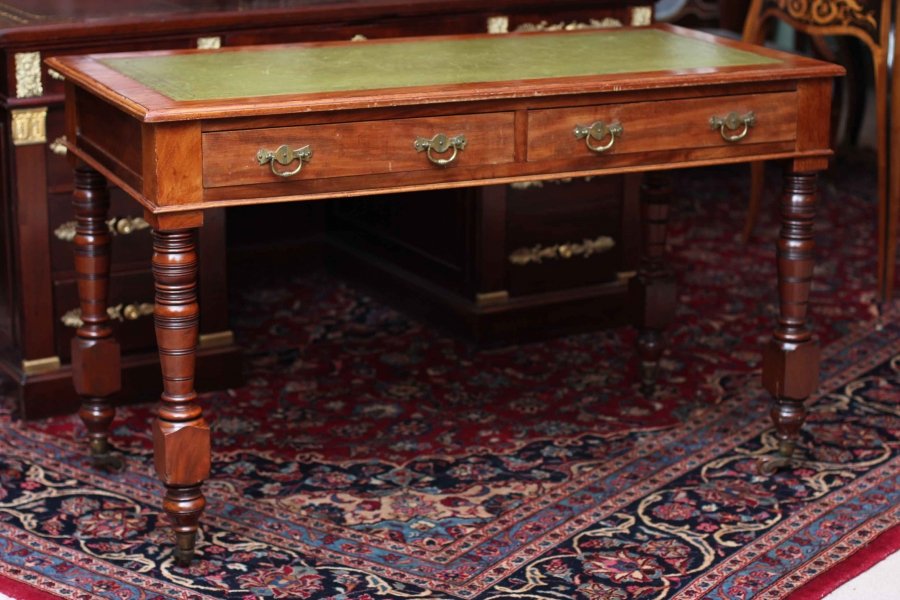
pixel 732 122
pixel 599 131
pixel 439 144
pixel 585 249
pixel 58 146
pixel 117 226
pixel 127 225
pixel 119 312
pixel 284 156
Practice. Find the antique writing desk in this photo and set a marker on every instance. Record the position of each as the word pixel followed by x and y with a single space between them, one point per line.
pixel 184 131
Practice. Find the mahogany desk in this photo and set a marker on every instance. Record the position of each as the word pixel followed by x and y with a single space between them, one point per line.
pixel 183 132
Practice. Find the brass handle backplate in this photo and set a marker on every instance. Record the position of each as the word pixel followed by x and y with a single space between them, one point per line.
pixel 599 131
pixel 283 155
pixel 440 144
pixel 731 123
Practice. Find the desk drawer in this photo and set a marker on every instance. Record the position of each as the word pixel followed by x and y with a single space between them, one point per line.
pixel 663 126
pixel 348 149
pixel 131 298
pixel 131 243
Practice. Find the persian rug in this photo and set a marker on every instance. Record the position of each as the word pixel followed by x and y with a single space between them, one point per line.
pixel 371 456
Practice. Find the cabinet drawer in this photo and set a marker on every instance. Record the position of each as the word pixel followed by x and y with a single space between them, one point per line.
pixel 131 242
pixel 131 297
pixel 656 126
pixel 564 234
pixel 348 149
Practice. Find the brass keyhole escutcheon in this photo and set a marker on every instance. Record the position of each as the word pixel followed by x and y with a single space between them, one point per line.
pixel 439 144
pixel 284 156
pixel 599 131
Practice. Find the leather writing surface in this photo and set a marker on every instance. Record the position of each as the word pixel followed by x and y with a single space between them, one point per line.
pixel 273 71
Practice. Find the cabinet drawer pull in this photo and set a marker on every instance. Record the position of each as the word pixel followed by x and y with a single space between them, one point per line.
pixel 128 225
pixel 439 144
pixel 58 146
pixel 598 131
pixel 117 226
pixel 119 312
pixel 284 156
pixel 585 249
pixel 732 122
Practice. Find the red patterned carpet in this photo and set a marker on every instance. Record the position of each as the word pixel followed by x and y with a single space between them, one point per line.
pixel 372 457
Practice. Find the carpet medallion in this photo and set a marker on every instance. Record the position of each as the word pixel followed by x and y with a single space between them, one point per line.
pixel 371 456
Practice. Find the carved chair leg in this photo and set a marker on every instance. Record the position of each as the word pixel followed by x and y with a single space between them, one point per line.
pixel 791 359
pixel 652 290
pixel 96 369
pixel 181 437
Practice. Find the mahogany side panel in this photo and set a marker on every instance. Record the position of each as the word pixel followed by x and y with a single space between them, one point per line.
pixel 114 136
pixel 35 301
pixel 171 163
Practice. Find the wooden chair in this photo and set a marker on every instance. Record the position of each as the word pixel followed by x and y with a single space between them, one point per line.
pixel 689 13
pixel 718 16
pixel 870 22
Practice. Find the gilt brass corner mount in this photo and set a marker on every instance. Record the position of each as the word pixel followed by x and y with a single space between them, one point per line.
pixel 28 75
pixel 37 366
pixel 29 126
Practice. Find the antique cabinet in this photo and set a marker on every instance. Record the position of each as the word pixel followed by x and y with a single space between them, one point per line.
pixel 500 263
pixel 37 285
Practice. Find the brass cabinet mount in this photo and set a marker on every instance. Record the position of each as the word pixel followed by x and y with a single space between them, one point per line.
pixel 28 75
pixel 28 126
pixel 213 42
pixel 440 144
pixel 36 366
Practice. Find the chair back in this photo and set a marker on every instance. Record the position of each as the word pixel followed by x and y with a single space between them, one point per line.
pixel 868 20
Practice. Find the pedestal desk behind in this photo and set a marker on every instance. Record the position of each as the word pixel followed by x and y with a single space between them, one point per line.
pixel 38 300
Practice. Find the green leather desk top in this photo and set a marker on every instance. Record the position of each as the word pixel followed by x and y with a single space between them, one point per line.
pixel 282 70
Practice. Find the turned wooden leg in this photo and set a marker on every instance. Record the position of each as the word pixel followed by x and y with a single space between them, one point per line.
pixel 96 368
pixel 181 439
pixel 791 359
pixel 652 290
